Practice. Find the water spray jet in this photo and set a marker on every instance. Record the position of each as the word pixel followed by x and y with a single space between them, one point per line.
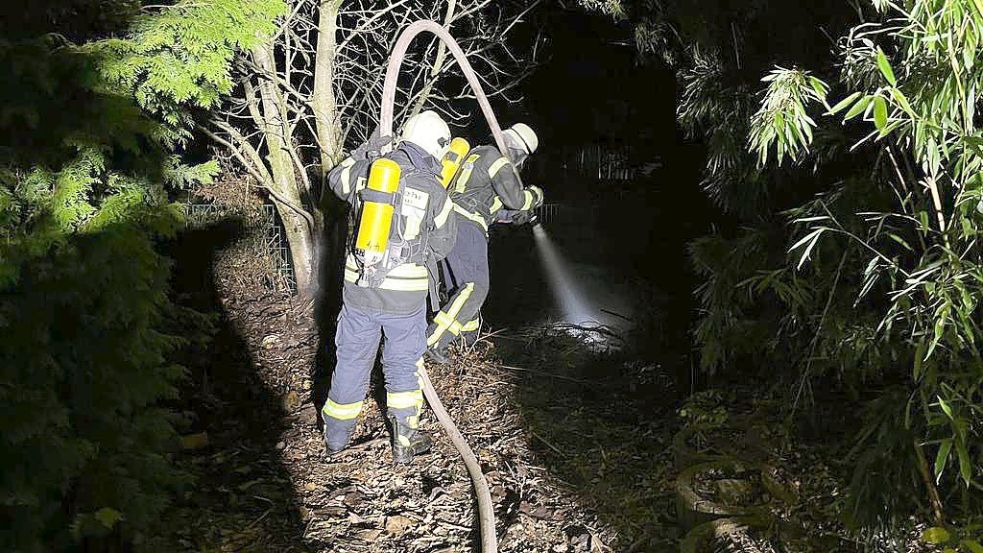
pixel 568 295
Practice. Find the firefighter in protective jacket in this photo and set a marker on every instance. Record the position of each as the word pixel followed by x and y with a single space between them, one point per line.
pixel 387 278
pixel 486 189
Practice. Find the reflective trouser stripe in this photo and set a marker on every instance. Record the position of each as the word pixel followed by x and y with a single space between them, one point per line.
pixel 472 217
pixel 405 400
pixel 448 320
pixel 341 411
pixel 471 326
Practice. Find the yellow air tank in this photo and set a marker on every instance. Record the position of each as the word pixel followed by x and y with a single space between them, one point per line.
pixel 377 217
pixel 455 155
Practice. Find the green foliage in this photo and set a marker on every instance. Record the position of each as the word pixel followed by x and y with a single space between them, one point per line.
pixel 704 409
pixel 731 330
pixel 783 119
pixel 884 275
pixel 84 363
pixel 718 113
pixel 857 265
pixel 87 332
pixel 183 54
pixel 958 540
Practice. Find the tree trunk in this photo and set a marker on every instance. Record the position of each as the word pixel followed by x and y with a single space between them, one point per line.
pixel 302 243
pixel 323 99
pixel 285 188
pixel 328 130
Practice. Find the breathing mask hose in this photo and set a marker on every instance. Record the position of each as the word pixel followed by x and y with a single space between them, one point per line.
pixel 486 510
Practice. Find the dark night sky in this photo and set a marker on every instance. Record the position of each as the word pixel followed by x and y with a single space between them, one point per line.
pixel 591 88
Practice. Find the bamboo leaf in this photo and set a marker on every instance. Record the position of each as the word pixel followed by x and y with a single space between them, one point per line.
pixel 965 465
pixel 885 67
pixel 902 101
pixel 812 238
pixel 940 459
pixel 935 535
pixel 946 408
pixel 806 238
pixel 919 359
pixel 880 113
pixel 900 240
pixel 858 108
pixel 844 103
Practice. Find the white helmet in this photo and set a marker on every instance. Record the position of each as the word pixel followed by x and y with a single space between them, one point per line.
pixel 428 131
pixel 523 136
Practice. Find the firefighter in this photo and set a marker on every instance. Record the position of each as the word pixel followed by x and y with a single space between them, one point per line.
pixel 406 224
pixel 485 189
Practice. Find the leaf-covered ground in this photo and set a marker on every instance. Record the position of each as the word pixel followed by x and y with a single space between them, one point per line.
pixel 573 463
pixel 576 442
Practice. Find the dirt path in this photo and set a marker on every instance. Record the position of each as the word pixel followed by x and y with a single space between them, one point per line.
pixel 264 483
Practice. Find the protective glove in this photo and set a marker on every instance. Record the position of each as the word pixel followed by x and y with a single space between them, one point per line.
pixel 539 196
pixel 372 148
pixel 504 216
pixel 521 217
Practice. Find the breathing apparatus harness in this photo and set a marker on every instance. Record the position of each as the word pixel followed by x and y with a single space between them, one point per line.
pixel 384 241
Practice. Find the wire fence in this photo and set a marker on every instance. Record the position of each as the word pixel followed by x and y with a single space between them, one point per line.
pixel 600 162
pixel 270 240
pixel 547 213
pixel 557 213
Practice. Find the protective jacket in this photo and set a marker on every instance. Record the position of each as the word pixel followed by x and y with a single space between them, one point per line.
pixel 423 229
pixel 487 182
pixel 486 186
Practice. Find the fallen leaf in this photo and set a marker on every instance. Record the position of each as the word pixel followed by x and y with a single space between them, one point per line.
pixel 291 401
pixel 398 524
pixel 369 535
pixel 194 441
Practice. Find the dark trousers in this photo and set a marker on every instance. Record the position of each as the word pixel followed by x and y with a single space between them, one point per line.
pixel 356 346
pixel 465 272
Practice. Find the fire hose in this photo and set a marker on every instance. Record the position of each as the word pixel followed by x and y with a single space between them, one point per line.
pixel 486 511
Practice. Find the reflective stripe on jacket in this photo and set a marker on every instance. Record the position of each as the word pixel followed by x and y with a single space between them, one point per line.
pixel 423 230
pixel 408 277
pixel 487 182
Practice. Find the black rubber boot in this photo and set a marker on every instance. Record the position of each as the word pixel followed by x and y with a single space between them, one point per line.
pixel 438 355
pixel 335 446
pixel 408 442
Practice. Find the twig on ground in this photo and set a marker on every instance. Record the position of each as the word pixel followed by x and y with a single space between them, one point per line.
pixel 547 374
pixel 616 314
pixel 548 444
